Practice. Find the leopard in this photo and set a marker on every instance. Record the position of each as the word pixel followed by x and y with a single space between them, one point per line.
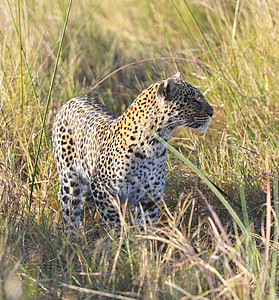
pixel 106 161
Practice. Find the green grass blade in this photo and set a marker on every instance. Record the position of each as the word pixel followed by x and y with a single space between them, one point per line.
pixel 28 70
pixel 185 24
pixel 48 99
pixel 244 207
pixel 20 58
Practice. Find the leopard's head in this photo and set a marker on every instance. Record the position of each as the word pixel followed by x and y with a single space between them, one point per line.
pixel 184 104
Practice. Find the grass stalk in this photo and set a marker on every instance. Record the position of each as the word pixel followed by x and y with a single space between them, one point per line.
pixel 216 218
pixel 48 100
pixel 28 70
pixel 244 207
pixel 275 246
pixel 99 293
pixel 236 12
pixel 219 67
pixel 20 57
pixel 268 215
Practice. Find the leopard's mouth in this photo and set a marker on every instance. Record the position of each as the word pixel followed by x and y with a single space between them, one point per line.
pixel 199 125
pixel 203 127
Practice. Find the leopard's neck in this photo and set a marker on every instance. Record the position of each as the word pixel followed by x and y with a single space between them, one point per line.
pixel 143 118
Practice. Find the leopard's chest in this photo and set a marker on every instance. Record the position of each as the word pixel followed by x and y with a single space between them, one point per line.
pixel 145 178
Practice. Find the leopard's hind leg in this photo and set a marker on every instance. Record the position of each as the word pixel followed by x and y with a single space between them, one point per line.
pixel 71 194
pixel 71 182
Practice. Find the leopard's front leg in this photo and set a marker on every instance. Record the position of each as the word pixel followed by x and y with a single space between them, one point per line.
pixel 107 204
pixel 147 211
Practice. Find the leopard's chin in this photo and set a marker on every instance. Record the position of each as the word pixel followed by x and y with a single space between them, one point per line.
pixel 203 127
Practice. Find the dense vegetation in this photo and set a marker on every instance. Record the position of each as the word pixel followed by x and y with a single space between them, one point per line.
pixel 218 237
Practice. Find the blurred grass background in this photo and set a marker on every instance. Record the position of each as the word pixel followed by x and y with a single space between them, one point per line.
pixel 232 57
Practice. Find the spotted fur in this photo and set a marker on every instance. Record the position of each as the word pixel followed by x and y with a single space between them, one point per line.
pixel 102 159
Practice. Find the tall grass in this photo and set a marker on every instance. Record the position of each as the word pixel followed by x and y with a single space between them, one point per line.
pixel 48 100
pixel 218 233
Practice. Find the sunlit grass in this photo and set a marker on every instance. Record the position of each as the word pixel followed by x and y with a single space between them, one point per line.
pixel 218 236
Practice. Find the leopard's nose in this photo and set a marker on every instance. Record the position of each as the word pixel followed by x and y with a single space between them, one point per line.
pixel 209 110
pixel 211 113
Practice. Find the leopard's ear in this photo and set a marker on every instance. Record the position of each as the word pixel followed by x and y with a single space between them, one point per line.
pixel 167 89
pixel 177 76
